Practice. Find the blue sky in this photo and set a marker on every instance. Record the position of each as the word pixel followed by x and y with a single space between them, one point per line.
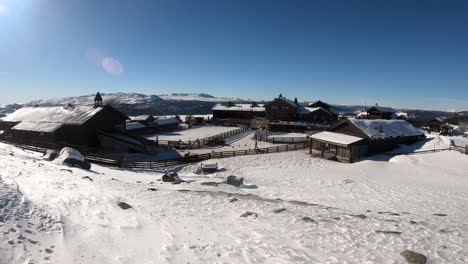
pixel 399 53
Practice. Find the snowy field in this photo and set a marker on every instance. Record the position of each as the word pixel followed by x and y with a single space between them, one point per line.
pixel 286 135
pixel 191 134
pixel 306 210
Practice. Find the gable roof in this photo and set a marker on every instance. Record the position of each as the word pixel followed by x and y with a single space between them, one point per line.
pixel 45 127
pixel 337 138
pixel 74 115
pixel 239 107
pixel 386 128
pixel 142 118
pixel 381 109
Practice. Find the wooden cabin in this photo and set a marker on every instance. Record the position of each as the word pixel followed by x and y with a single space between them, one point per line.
pixel 320 104
pixel 377 112
pixel 435 123
pixel 238 111
pixel 342 147
pixel 77 125
pixel 366 137
pixel 143 119
pixel 282 109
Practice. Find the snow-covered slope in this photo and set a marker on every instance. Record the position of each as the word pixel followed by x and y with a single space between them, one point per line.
pixel 303 210
pixel 8 108
pixel 114 98
pixel 197 97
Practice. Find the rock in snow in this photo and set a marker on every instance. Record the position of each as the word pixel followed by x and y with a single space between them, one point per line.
pixel 124 205
pixel 413 257
pixel 171 177
pixel 51 155
pixel 74 158
pixel 235 181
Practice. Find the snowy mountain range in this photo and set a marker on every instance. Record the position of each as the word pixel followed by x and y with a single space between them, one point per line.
pixel 179 103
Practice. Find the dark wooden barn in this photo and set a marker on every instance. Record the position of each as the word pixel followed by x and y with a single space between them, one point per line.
pixel 77 125
pixel 282 109
pixel 320 104
pixel 377 112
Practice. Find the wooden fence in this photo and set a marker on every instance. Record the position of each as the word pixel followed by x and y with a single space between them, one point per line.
pixel 91 154
pixel 211 155
pixel 113 159
pixel 199 143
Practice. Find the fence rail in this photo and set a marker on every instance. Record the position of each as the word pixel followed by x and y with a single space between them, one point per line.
pixel 199 143
pixel 91 154
pixel 212 155
pixel 113 159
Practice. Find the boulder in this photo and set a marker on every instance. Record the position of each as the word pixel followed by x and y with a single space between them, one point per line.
pixel 235 181
pixel 74 158
pixel 124 206
pixel 308 219
pixel 50 155
pixel 413 257
pixel 171 177
pixel 247 214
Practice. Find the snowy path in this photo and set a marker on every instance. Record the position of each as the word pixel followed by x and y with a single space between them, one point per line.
pixel 366 212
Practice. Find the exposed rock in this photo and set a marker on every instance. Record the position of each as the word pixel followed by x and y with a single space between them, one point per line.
pixel 440 214
pixel 87 178
pixel 171 177
pixel 80 164
pixel 388 232
pixel 152 189
pixel 233 200
pixel 359 216
pixel 235 181
pixel 124 206
pixel 209 183
pixel 51 154
pixel 247 214
pixel 413 257
pixel 74 158
pixel 67 170
pixel 279 210
pixel 308 219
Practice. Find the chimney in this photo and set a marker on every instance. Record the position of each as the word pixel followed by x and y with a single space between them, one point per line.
pixel 98 100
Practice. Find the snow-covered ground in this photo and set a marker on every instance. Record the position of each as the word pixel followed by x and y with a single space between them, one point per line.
pixel 306 210
pixel 286 135
pixel 191 134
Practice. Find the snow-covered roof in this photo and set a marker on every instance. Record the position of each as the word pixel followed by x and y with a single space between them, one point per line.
pixel 386 128
pixel 54 114
pixel 337 138
pixel 239 107
pixel 46 127
pixel 133 125
pixel 141 117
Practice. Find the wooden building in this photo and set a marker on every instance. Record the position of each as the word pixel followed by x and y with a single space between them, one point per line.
pixel 377 112
pixel 282 109
pixel 366 137
pixel 320 104
pixel 238 111
pixel 435 123
pixel 143 119
pixel 77 125
pixel 342 147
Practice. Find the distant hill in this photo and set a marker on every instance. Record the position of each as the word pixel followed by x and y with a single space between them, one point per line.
pixel 183 103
